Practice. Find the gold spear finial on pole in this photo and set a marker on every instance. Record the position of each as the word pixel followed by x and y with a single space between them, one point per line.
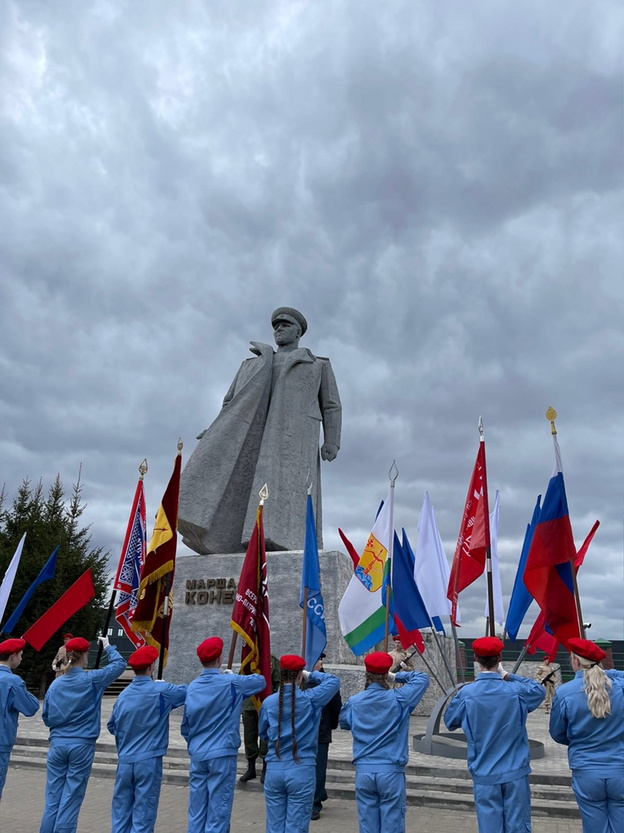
pixel 143 468
pixel 180 445
pixel 551 415
pixel 263 494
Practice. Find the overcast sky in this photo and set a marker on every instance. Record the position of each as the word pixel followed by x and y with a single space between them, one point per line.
pixel 436 186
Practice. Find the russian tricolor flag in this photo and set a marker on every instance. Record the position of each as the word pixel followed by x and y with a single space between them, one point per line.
pixel 548 573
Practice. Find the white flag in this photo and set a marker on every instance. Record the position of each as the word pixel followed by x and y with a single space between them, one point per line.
pixel 9 577
pixel 499 612
pixel 431 569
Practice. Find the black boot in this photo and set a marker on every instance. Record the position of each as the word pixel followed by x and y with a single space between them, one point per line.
pixel 250 772
pixel 263 771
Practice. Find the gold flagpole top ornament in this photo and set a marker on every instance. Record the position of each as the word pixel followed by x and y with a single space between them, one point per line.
pixel 393 473
pixel 180 445
pixel 481 429
pixel 263 494
pixel 551 415
pixel 310 482
pixel 143 468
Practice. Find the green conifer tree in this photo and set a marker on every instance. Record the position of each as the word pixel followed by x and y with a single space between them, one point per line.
pixel 50 521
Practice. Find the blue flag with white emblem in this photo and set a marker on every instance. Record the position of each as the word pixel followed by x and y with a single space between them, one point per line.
pixel 316 635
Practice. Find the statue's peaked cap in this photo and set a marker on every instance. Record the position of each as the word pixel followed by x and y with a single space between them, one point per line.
pixel 290 312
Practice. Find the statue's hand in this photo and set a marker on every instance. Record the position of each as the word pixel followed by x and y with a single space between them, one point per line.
pixel 329 452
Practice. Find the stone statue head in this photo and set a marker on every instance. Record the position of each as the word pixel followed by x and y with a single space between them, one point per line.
pixel 288 327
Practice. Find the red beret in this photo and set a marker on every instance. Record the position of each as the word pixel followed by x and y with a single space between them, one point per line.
pixel 378 662
pixel 585 648
pixel 210 649
pixel 77 644
pixel 292 662
pixel 68 636
pixel 12 646
pixel 487 646
pixel 143 657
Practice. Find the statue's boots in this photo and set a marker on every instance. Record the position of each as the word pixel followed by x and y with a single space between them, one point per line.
pixel 250 772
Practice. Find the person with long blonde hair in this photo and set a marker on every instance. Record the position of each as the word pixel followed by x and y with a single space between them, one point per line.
pixel 588 717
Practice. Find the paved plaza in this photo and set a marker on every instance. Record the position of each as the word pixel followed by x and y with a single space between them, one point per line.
pixel 22 803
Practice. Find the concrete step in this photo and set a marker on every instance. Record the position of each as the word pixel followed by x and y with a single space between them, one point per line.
pixel 448 788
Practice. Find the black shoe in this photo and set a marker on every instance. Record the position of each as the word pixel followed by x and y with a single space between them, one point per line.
pixel 250 772
pixel 316 814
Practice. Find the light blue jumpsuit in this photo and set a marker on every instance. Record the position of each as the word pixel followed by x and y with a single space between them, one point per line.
pixel 289 785
pixel 211 728
pixel 595 752
pixel 72 711
pixel 14 700
pixel 493 712
pixel 140 723
pixel 379 722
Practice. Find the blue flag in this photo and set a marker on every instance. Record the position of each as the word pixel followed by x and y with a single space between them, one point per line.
pixel 521 599
pixel 316 635
pixel 46 573
pixel 408 604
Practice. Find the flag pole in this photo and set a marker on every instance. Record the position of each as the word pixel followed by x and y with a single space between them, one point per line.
pixel 551 416
pixel 392 475
pixel 304 611
pixel 443 655
pixel 488 549
pixel 111 605
pixel 165 633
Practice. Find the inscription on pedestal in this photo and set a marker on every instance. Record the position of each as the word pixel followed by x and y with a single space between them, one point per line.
pixel 210 591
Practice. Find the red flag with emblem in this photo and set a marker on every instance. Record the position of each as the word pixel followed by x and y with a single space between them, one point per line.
pixel 250 615
pixel 474 535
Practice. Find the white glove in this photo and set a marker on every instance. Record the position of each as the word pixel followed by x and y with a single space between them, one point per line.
pixel 501 671
pixel 54 666
pixel 305 674
pixel 391 677
pixel 159 680
pixel 227 671
pixel 103 640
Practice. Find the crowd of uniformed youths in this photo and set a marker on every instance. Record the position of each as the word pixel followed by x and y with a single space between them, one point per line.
pixel 587 715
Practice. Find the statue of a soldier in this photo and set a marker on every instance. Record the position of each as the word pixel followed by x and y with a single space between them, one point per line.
pixel 266 432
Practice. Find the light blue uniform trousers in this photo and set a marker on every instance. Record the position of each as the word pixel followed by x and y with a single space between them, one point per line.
pixel 601 802
pixel 5 754
pixel 380 798
pixel 503 808
pixel 289 793
pixel 69 767
pixel 136 794
pixel 211 794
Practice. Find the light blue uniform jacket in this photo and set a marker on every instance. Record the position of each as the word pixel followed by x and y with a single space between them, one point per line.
pixel 493 712
pixel 379 721
pixel 595 746
pixel 140 718
pixel 73 704
pixel 211 723
pixel 14 700
pixel 308 707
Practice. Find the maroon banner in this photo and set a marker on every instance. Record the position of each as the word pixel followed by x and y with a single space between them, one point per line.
pixel 250 615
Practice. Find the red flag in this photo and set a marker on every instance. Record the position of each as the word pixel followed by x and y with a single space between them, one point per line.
pixel 79 594
pixel 474 535
pixel 350 548
pixel 158 568
pixel 250 615
pixel 580 555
